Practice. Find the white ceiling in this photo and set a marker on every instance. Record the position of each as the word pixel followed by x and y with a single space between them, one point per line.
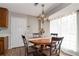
pixel 28 8
pixel 65 11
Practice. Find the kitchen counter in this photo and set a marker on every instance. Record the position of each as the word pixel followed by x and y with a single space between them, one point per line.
pixel 4 35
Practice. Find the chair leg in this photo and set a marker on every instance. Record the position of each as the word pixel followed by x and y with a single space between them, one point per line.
pixel 50 51
pixel 25 52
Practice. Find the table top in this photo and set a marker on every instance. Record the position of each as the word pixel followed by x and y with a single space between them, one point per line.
pixel 40 41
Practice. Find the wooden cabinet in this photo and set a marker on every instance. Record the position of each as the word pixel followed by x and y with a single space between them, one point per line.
pixel 3 45
pixel 3 17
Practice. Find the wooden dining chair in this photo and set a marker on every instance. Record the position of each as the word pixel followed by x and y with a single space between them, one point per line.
pixel 54 47
pixel 29 50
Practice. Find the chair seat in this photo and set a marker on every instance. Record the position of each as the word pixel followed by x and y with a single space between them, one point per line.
pixel 33 50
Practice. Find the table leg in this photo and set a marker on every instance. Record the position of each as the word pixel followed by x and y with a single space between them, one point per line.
pixel 40 51
pixel 41 48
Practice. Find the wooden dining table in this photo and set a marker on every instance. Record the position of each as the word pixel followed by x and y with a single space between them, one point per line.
pixel 42 42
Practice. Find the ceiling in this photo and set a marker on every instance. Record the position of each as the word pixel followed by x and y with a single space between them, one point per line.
pixel 28 8
pixel 53 10
pixel 65 11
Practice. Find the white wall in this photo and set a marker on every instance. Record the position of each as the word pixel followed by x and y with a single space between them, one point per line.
pixel 33 25
pixel 46 28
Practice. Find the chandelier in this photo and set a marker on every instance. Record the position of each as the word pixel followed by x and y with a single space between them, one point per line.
pixel 42 16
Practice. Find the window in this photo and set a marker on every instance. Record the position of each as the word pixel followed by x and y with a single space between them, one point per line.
pixel 67 27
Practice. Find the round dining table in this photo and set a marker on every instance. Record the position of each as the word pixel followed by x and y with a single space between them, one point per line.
pixel 42 42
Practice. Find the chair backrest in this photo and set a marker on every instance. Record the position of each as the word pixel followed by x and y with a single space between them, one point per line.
pixel 36 35
pixel 24 40
pixel 25 44
pixel 56 44
pixel 54 34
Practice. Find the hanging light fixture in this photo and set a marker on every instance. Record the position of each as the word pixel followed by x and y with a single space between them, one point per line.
pixel 42 16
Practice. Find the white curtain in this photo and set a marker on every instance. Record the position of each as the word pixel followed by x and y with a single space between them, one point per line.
pixel 18 27
pixel 67 27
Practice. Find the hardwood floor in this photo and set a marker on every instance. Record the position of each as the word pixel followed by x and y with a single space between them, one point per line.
pixel 20 51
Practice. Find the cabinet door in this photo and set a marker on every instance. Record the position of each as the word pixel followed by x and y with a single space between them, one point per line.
pixel 1 46
pixel 3 17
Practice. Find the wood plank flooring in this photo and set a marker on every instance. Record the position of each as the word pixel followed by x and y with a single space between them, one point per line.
pixel 20 51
